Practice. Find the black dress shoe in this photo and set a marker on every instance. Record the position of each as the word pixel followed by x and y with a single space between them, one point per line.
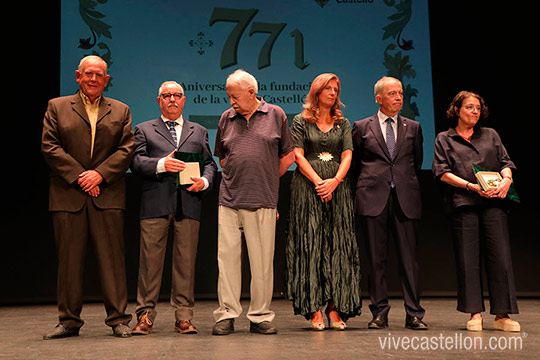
pixel 60 331
pixel 414 323
pixel 223 327
pixel 265 327
pixel 378 322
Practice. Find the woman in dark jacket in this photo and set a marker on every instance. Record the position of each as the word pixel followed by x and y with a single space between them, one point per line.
pixel 478 217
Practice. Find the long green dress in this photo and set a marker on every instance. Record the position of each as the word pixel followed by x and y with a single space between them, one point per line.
pixel 322 257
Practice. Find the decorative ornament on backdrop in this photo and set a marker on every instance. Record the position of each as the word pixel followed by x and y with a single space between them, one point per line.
pixel 99 29
pixel 321 2
pixel 395 62
pixel 201 43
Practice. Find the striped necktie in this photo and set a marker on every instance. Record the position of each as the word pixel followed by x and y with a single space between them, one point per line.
pixel 172 130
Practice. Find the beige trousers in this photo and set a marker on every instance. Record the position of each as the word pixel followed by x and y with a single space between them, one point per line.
pixel 259 227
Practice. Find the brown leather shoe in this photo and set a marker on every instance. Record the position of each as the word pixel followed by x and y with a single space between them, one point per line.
pixel 185 327
pixel 144 326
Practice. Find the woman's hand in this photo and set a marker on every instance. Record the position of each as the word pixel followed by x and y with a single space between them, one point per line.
pixel 502 189
pixel 326 187
pixel 326 198
pixel 478 189
pixel 499 192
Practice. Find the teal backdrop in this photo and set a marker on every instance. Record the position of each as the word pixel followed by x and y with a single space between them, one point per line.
pixel 473 45
pixel 284 44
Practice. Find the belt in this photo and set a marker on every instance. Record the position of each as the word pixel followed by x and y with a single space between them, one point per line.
pixel 323 156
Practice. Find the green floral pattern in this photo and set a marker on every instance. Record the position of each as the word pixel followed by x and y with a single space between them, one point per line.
pixel 99 30
pixel 395 62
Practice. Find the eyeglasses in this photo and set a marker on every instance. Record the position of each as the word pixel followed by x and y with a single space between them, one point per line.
pixel 472 107
pixel 167 96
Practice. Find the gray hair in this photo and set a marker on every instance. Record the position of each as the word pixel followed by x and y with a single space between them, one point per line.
pixel 91 57
pixel 169 83
pixel 381 84
pixel 244 79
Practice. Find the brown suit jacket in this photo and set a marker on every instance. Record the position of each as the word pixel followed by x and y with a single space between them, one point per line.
pixel 66 142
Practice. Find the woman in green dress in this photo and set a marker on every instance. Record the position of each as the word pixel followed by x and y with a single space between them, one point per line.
pixel 323 263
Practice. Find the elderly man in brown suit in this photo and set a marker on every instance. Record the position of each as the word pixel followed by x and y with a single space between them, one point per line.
pixel 87 142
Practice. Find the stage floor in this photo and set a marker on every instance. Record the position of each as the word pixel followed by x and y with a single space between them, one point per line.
pixel 23 326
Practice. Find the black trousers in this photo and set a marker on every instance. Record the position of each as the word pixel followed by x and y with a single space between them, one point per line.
pixel 378 231
pixel 480 236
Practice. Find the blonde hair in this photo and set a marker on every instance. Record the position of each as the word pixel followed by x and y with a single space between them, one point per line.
pixel 311 105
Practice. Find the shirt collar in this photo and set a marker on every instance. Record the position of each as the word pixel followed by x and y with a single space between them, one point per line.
pixel 86 100
pixel 263 107
pixel 454 134
pixel 382 117
pixel 179 121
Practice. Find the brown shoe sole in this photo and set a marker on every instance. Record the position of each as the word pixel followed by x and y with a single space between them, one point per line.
pixel 188 331
pixel 137 331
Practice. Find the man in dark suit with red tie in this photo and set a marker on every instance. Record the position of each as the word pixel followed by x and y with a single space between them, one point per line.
pixel 387 159
pixel 166 205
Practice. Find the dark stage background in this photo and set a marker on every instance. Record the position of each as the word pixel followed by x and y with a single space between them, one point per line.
pixel 474 46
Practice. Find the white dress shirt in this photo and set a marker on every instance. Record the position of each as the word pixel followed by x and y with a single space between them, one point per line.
pixel 383 123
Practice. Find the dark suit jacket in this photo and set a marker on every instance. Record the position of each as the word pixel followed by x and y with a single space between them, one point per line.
pixel 159 192
pixel 66 142
pixel 376 170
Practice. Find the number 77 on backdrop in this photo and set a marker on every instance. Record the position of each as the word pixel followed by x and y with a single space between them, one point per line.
pixel 242 18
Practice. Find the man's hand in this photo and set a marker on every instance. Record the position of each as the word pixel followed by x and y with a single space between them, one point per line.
pixel 173 165
pixel 94 192
pixel 89 181
pixel 198 184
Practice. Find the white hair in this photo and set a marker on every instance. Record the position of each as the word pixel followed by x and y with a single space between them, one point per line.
pixel 244 79
pixel 169 83
pixel 381 84
pixel 91 57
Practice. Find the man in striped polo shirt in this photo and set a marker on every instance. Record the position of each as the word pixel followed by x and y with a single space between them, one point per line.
pixel 254 145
